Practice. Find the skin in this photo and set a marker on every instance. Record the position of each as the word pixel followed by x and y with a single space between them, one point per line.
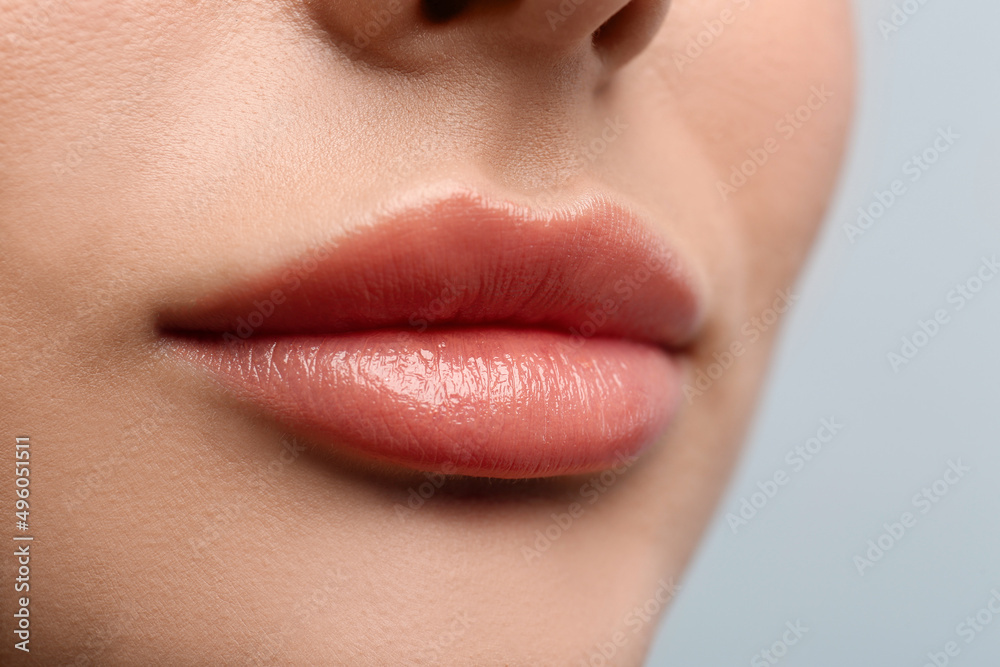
pixel 154 150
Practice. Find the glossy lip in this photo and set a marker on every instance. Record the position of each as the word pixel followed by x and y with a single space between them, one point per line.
pixel 463 335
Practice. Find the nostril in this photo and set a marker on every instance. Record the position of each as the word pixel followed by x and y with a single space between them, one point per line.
pixel 617 29
pixel 439 11
pixel 611 20
pixel 628 31
pixel 608 27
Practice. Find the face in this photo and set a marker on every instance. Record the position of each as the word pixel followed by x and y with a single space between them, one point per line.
pixel 169 167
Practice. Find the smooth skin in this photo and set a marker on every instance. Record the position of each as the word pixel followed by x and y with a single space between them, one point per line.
pixel 150 151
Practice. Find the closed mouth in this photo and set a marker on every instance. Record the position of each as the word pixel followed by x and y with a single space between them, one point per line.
pixel 464 335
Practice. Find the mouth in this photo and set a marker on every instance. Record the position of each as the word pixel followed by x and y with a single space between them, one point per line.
pixel 463 335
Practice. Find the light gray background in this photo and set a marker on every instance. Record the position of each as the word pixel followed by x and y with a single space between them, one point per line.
pixel 794 561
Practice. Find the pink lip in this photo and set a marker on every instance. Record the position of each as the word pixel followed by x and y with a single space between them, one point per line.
pixel 465 336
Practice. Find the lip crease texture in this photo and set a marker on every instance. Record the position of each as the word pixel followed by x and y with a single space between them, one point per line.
pixel 462 335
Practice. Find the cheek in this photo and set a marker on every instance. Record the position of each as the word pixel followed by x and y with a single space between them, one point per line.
pixel 738 71
pixel 767 88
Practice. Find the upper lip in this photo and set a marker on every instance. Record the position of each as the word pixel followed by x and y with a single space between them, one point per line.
pixel 595 269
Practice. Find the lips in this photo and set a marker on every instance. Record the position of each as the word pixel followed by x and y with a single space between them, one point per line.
pixel 462 335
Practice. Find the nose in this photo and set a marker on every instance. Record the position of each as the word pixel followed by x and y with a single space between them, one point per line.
pixel 616 29
pixel 613 30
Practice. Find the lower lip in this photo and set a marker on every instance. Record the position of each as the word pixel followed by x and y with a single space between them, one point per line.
pixel 485 402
